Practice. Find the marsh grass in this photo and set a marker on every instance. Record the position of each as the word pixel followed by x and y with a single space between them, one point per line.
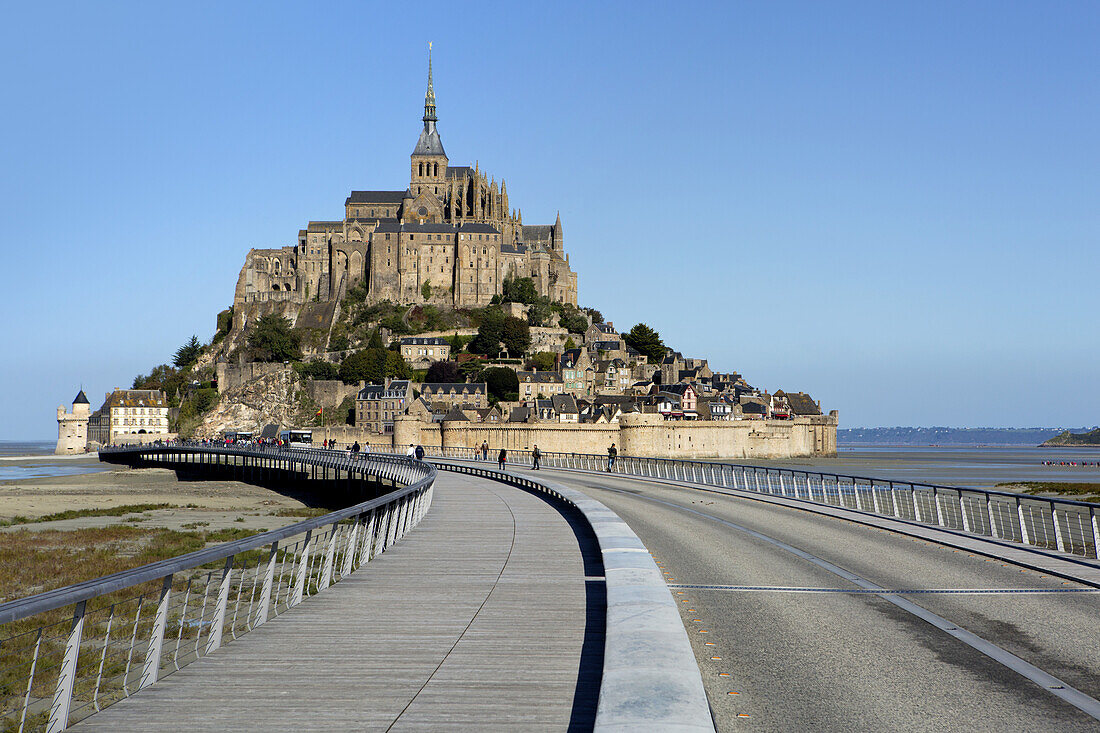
pixel 115 511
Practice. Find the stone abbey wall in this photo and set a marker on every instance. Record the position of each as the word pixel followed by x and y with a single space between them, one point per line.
pixel 646 436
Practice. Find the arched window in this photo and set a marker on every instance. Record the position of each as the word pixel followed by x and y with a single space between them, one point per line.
pixel 421 169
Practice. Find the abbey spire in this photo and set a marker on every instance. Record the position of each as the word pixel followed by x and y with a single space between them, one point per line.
pixel 429 142
pixel 429 96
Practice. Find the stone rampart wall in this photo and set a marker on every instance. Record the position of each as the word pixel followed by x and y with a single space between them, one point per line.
pixel 647 436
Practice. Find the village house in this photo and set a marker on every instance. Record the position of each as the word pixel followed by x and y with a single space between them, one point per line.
pixel 420 352
pixel 457 394
pixel 577 372
pixel 687 397
pixel 613 376
pixel 136 412
pixel 377 405
pixel 534 383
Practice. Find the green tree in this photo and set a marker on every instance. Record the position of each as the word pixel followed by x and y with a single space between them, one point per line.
pixel 317 369
pixel 569 344
pixel 396 367
pixel 490 332
pixel 646 340
pixel 500 380
pixel 367 365
pixel 188 354
pixel 516 335
pixel 596 316
pixel 574 322
pixel 444 371
pixel 426 290
pixel 375 341
pixel 543 361
pixel 519 290
pixel 274 339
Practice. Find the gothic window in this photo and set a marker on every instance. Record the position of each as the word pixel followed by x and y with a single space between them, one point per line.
pixel 421 169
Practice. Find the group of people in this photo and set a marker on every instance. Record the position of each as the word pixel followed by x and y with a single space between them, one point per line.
pixel 482 454
pixel 1071 463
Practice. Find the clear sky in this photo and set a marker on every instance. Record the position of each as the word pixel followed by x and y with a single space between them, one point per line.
pixel 894 208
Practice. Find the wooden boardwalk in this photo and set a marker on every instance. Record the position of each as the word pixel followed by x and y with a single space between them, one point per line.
pixel 481 618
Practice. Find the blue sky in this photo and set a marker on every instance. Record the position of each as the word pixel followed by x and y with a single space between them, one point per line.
pixel 891 207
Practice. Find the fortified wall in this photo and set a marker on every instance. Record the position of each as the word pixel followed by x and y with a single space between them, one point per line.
pixel 645 436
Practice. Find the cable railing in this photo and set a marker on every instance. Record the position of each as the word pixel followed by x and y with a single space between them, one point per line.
pixel 69 652
pixel 1051 523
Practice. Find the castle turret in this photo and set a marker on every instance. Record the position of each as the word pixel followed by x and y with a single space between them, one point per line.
pixel 429 160
pixel 72 427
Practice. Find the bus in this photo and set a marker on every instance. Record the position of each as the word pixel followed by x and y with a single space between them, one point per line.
pixel 297 438
pixel 238 436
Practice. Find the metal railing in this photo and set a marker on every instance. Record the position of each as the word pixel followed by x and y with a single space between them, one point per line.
pixel 69 652
pixel 1065 525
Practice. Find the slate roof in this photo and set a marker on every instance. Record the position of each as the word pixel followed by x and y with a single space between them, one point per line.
pixel 325 226
pixel 137 398
pixel 540 232
pixel 429 143
pixel 375 197
pixel 397 388
pixel 81 398
pixel 604 345
pixel 424 341
pixel 800 402
pixel 516 249
pixel 458 171
pixel 455 387
pixel 564 404
pixel 538 377
pixel 455 415
pixel 520 414
pixel 476 228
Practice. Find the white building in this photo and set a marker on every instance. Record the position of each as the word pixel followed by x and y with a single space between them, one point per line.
pixel 137 412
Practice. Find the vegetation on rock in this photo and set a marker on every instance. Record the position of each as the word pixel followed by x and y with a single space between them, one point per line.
pixel 647 341
pixel 274 339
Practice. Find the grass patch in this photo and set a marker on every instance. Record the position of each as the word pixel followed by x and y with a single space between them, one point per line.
pixel 1066 488
pixel 194 525
pixel 303 511
pixel 228 535
pixel 116 511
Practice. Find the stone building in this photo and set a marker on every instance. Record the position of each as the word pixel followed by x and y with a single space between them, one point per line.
pixel 72 427
pixel 421 351
pixel 136 415
pixel 464 395
pixel 377 405
pixel 450 237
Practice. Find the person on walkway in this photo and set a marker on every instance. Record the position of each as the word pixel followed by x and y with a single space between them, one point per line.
pixel 411 452
pixel 535 456
pixel 502 459
pixel 484 450
pixel 419 453
pixel 355 449
pixel 612 452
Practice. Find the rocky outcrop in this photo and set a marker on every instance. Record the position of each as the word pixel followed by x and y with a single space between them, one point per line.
pixel 277 397
pixel 1090 439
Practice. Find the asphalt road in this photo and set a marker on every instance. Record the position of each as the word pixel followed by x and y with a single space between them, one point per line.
pixel 826 658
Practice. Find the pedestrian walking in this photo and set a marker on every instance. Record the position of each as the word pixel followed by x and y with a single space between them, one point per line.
pixel 502 459
pixel 535 456
pixel 411 452
pixel 484 451
pixel 420 453
pixel 355 449
pixel 612 452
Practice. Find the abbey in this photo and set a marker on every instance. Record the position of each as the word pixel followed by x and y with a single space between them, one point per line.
pixel 449 238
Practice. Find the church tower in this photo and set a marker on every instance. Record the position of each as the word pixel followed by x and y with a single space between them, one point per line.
pixel 429 160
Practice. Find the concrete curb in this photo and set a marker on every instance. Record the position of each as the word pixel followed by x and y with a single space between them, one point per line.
pixel 651 680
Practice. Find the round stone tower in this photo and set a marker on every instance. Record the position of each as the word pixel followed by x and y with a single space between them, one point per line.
pixel 72 427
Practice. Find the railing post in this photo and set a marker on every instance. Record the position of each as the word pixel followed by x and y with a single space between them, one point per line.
pixel 992 520
pixel 894 501
pixel 1095 533
pixel 1058 541
pixel 1024 536
pixel 368 539
pixel 269 581
pixel 962 513
pixel 330 553
pixel 151 670
pixel 214 638
pixel 939 509
pixel 300 575
pixel 66 676
pixel 352 549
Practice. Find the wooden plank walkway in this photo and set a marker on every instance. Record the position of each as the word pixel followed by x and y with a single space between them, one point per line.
pixel 481 618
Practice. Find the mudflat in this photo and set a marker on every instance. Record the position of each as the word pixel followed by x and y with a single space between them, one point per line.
pixel 37 497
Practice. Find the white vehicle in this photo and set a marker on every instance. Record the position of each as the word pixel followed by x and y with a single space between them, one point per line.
pixel 297 438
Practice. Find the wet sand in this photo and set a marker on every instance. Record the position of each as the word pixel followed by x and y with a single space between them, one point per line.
pixel 197 500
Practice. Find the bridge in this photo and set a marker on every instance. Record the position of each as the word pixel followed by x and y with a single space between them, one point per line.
pixel 658 595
